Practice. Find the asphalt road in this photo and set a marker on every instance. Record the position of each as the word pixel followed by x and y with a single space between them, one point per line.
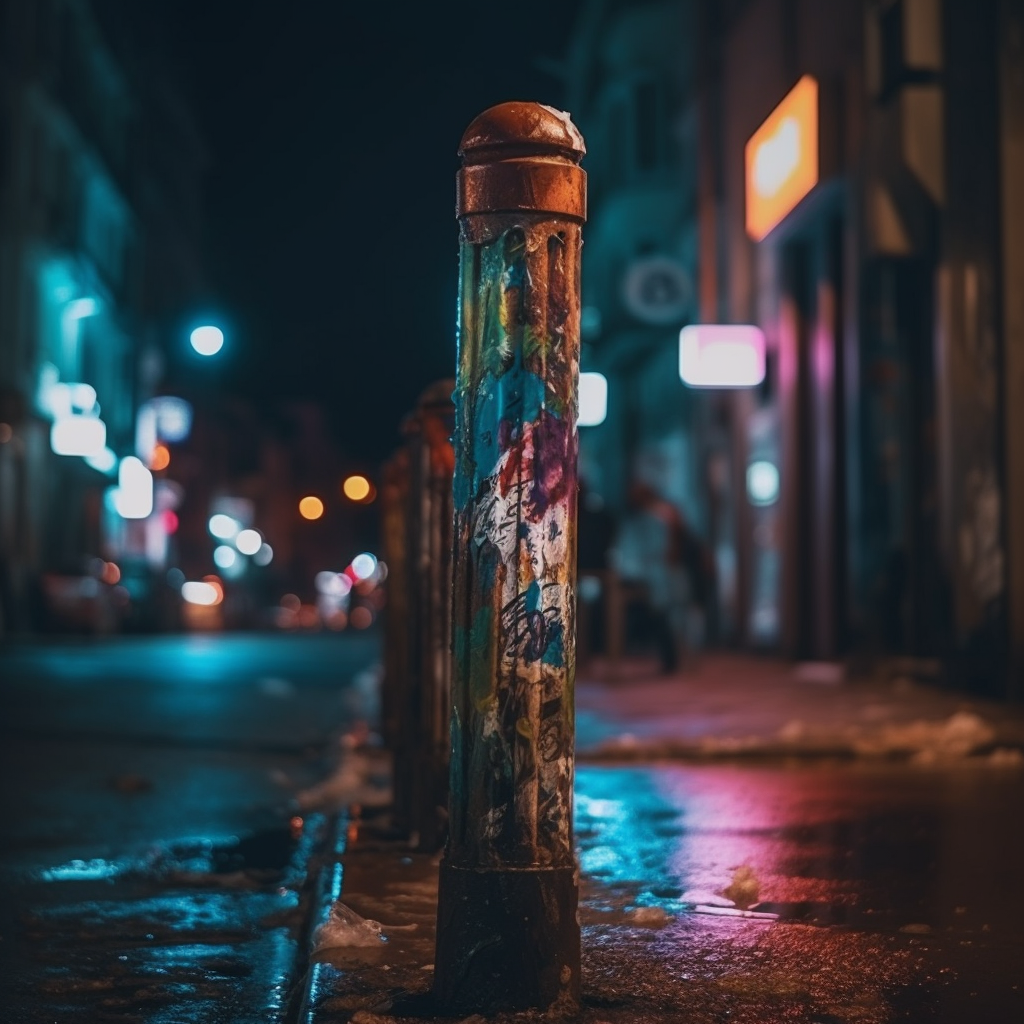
pixel 152 866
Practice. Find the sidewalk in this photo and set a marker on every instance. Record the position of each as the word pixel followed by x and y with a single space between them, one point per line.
pixel 733 705
pixel 731 746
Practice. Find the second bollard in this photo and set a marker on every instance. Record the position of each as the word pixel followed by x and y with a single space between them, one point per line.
pixel 423 749
pixel 508 933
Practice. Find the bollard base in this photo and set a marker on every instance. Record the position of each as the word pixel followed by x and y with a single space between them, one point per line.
pixel 507 940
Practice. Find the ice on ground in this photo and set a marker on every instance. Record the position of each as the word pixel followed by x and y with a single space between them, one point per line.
pixel 714 911
pixel 344 927
pixel 648 917
pixel 744 888
pixel 358 778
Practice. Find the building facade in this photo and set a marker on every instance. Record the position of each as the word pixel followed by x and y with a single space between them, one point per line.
pixel 83 272
pixel 888 286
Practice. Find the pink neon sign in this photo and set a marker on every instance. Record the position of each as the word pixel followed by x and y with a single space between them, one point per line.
pixel 721 355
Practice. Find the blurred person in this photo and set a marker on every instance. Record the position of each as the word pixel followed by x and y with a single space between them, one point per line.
pixel 595 534
pixel 659 549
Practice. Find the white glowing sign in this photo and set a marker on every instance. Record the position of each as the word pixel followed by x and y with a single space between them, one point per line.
pixel 78 435
pixel 593 399
pixel 134 496
pixel 721 356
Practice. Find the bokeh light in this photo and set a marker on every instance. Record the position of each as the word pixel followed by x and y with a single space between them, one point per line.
pixel 223 527
pixel 264 556
pixel 356 488
pixel 224 557
pixel 311 507
pixel 207 340
pixel 361 617
pixel 249 542
pixel 202 593
pixel 160 459
pixel 363 566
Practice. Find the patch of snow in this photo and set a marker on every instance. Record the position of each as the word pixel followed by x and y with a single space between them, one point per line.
pixel 354 781
pixel 958 736
pixel 1006 757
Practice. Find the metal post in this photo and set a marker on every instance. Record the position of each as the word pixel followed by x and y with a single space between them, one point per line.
pixel 425 747
pixel 508 934
pixel 394 501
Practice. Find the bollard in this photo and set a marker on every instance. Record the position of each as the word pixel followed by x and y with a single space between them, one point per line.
pixel 422 767
pixel 508 934
pixel 394 502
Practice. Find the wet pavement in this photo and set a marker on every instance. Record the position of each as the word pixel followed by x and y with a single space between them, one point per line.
pixel 156 865
pixel 174 842
pixel 819 892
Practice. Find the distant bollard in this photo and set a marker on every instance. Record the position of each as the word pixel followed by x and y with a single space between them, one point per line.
pixel 508 934
pixel 394 507
pixel 426 746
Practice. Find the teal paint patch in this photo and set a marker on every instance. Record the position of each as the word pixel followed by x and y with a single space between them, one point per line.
pixel 554 653
pixel 480 643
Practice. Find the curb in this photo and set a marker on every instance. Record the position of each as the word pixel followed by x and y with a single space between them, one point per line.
pixel 1002 755
pixel 326 890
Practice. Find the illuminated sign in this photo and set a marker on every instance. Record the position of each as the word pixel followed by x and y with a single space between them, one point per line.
pixel 593 399
pixel 133 498
pixel 78 435
pixel 721 355
pixel 782 159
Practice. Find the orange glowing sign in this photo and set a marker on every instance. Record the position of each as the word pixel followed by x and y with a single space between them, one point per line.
pixel 782 159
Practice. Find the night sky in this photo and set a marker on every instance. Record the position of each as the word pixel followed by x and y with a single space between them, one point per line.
pixel 333 132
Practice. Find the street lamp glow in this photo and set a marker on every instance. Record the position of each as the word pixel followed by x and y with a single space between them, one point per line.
pixel 207 340
pixel 249 542
pixel 223 527
pixel 311 507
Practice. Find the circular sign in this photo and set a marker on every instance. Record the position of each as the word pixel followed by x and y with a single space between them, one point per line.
pixel 657 290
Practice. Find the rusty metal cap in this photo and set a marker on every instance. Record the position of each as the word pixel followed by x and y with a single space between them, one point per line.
pixel 522 157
